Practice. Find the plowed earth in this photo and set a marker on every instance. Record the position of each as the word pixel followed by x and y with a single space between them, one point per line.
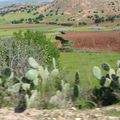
pixel 94 41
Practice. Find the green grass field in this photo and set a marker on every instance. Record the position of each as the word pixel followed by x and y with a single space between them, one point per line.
pixel 43 28
pixel 15 16
pixel 83 62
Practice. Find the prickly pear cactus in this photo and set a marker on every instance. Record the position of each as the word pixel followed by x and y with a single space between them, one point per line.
pixel 57 99
pixel 7 78
pixel 32 62
pixel 41 72
pixel 14 88
pixel 111 72
pixel 106 67
pixel 76 88
pixel 26 86
pixel 66 90
pixel 34 81
pixel 38 76
pixel 47 73
pixel 97 72
pixel 6 72
pixel 118 72
pixel 31 99
pixel 32 74
pixel 55 73
pixel 107 82
pixel 118 63
pixel 54 63
pixel 109 90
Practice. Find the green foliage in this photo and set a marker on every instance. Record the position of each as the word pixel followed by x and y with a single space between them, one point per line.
pixel 109 91
pixel 41 44
pixel 42 87
pixel 21 46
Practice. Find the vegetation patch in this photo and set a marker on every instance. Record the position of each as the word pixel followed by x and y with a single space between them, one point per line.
pixel 24 44
pixel 83 62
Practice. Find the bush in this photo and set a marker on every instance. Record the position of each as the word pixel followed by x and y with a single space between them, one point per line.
pixel 14 51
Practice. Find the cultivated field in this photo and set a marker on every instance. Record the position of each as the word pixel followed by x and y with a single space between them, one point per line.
pixel 7 30
pixel 95 41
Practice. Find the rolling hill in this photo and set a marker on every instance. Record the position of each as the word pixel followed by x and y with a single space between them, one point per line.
pixel 88 10
pixel 81 12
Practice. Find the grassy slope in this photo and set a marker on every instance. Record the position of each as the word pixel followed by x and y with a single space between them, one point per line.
pixel 53 18
pixel 15 16
pixel 84 62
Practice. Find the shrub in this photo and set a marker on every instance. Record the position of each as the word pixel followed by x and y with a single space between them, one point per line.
pixel 40 17
pixel 15 51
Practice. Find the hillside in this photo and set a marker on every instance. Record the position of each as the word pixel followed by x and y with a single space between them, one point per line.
pixel 81 12
pixel 87 10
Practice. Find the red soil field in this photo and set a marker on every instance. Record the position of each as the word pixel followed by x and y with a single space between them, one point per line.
pixel 94 40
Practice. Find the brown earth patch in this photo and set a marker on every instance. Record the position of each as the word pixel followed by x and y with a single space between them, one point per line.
pixel 94 40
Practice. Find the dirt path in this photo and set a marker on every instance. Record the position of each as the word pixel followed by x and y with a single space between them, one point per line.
pixel 107 113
